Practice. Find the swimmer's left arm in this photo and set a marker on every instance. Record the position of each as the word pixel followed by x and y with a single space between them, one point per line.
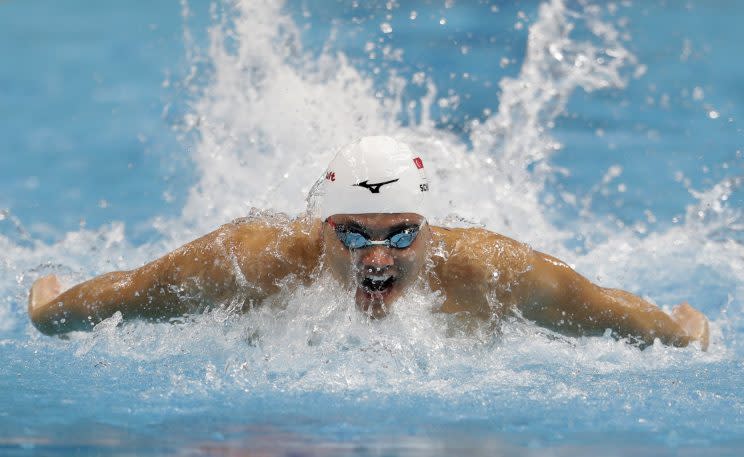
pixel 555 295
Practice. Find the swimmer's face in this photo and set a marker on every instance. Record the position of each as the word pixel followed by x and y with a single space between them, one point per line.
pixel 380 274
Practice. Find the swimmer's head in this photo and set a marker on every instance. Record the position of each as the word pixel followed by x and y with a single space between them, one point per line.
pixel 374 174
pixel 373 210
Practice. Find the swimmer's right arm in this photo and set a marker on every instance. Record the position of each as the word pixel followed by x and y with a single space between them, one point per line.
pixel 237 260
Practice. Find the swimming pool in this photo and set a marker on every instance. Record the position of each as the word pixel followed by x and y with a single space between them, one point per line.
pixel 608 135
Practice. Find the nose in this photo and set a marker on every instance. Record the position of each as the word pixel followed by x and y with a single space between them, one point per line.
pixel 376 258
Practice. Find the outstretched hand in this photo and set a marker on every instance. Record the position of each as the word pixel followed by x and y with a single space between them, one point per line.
pixel 44 290
pixel 693 322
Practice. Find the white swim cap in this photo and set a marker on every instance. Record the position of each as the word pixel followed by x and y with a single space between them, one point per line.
pixel 374 174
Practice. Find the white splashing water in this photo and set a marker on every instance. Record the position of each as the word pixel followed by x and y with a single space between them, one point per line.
pixel 265 126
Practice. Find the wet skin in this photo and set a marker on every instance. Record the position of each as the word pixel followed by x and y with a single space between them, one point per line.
pixel 379 275
pixel 478 272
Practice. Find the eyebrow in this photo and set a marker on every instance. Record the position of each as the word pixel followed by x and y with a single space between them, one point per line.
pixel 355 226
pixel 402 226
pixel 351 225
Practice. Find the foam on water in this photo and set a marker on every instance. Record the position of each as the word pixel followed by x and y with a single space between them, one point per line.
pixel 264 126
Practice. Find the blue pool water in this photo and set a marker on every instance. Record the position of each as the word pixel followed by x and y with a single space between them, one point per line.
pixel 607 134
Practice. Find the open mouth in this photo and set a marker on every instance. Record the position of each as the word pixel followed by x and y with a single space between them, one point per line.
pixel 378 283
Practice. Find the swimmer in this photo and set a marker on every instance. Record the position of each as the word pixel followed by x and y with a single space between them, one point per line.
pixel 373 237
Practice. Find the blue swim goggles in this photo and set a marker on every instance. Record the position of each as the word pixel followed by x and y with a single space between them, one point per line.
pixel 356 240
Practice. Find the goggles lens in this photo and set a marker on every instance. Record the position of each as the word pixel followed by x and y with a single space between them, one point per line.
pixel 356 240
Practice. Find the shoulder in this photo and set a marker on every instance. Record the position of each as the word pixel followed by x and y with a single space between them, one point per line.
pixel 478 256
pixel 275 235
pixel 478 244
pixel 477 269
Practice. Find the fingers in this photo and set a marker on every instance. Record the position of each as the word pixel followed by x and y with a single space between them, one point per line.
pixel 693 322
pixel 44 290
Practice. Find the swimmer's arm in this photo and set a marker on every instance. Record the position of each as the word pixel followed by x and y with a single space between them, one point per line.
pixel 212 269
pixel 555 295
pixel 160 289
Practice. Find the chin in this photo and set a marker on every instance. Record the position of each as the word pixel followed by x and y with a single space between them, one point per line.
pixel 375 304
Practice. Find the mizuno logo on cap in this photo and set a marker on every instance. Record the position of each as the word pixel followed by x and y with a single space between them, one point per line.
pixel 373 187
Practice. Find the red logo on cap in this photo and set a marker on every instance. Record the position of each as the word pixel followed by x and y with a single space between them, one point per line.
pixel 331 176
pixel 418 162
